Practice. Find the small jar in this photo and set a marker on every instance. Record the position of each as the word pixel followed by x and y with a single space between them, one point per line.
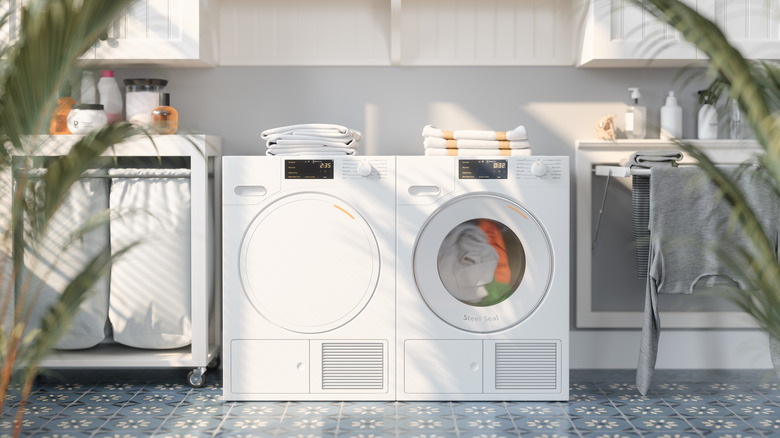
pixel 142 96
pixel 85 117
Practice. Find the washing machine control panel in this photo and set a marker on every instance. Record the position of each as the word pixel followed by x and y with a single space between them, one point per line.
pixel 482 169
pixel 308 169
pixel 532 170
pixel 540 170
pixel 364 168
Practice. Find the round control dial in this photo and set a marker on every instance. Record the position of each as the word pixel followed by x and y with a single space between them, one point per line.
pixel 538 168
pixel 364 168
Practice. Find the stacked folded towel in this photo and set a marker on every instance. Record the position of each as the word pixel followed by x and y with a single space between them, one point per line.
pixel 473 142
pixel 311 139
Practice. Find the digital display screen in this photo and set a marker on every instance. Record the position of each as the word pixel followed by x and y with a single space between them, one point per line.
pixel 482 169
pixel 308 169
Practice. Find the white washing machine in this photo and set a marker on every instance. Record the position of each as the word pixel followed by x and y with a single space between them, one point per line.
pixel 482 278
pixel 308 278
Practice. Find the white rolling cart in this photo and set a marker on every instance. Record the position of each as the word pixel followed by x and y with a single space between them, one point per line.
pixel 203 152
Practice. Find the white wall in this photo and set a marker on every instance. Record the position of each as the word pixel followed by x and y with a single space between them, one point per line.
pixel 390 105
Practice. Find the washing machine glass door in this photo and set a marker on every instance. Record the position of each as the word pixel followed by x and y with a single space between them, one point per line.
pixel 309 262
pixel 483 263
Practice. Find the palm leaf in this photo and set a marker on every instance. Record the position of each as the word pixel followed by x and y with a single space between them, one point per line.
pixel 756 88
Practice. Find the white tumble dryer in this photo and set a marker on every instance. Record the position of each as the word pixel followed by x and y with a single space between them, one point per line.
pixel 309 278
pixel 482 278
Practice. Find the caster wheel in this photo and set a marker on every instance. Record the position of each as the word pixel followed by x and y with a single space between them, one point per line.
pixel 196 379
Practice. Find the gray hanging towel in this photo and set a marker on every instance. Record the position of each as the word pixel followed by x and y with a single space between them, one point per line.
pixel 640 200
pixel 688 222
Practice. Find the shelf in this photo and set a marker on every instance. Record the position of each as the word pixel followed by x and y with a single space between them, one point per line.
pixel 623 284
pixel 204 154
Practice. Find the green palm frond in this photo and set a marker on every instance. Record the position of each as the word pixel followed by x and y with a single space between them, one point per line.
pixel 53 35
pixel 756 88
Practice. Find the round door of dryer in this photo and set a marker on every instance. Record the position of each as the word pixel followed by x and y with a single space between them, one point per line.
pixel 309 262
pixel 483 263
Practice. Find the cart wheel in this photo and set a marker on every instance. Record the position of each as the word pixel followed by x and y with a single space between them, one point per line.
pixel 195 378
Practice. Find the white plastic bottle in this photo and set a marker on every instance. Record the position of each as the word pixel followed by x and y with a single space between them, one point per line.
pixel 707 128
pixel 635 116
pixel 110 96
pixel 671 118
pixel 88 90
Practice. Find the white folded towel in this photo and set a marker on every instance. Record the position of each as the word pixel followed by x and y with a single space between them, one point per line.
pixel 518 133
pixel 434 152
pixel 309 142
pixel 310 150
pixel 434 142
pixel 312 129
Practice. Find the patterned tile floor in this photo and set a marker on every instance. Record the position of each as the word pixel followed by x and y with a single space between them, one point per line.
pixel 603 403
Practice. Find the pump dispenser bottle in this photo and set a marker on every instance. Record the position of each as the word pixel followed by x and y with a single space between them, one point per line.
pixel 671 118
pixel 707 128
pixel 635 116
pixel 58 124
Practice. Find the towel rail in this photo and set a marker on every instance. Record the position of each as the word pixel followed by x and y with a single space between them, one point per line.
pixel 183 173
pixel 620 171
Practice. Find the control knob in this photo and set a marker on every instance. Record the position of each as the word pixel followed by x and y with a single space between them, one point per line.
pixel 538 168
pixel 364 168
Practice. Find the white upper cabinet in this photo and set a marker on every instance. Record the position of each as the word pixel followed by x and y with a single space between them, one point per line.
pixel 617 33
pixel 396 32
pixel 159 32
pixel 162 32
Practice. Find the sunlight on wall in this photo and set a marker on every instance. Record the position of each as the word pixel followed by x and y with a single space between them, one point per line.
pixel 452 116
pixel 574 120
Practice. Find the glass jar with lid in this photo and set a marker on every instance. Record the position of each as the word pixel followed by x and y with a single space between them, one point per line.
pixel 142 96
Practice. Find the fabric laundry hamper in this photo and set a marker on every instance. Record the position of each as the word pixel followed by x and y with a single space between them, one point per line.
pixel 149 304
pixel 63 254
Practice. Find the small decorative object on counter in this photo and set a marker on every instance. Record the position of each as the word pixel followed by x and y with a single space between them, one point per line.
pixel 110 96
pixel 142 96
pixel 86 117
pixel 671 118
pixel 88 88
pixel 605 128
pixel 635 116
pixel 59 119
pixel 165 118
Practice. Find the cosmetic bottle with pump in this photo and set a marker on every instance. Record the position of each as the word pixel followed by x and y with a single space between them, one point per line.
pixel 165 118
pixel 59 119
pixel 707 128
pixel 635 116
pixel 671 118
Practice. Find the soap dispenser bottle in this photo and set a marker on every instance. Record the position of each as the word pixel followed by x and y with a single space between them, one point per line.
pixel 58 125
pixel 635 116
pixel 707 128
pixel 165 118
pixel 671 118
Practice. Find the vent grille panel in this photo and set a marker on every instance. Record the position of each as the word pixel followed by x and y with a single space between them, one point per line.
pixel 526 366
pixel 353 366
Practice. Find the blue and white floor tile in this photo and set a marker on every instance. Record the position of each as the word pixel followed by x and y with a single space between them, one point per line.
pixel 603 404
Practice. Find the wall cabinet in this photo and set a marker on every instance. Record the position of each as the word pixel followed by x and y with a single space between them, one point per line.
pixel 396 32
pixel 617 33
pixel 163 32
pixel 160 32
